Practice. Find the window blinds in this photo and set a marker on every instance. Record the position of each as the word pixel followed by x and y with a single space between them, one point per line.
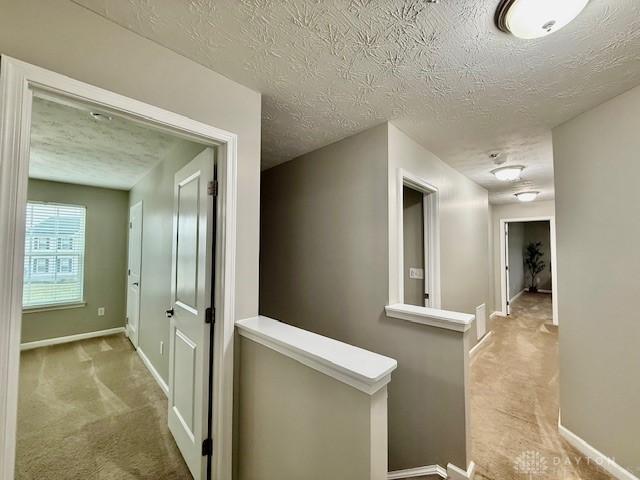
pixel 54 255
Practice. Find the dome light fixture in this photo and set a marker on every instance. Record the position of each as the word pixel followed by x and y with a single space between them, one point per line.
pixel 527 196
pixel 536 18
pixel 508 173
pixel 100 117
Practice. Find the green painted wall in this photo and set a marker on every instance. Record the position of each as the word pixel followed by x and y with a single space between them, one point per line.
pixel 105 262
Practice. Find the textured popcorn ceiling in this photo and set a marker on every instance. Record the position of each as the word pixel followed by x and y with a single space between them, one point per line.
pixel 68 145
pixel 442 72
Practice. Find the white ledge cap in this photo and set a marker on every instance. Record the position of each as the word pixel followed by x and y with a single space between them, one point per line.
pixel 359 368
pixel 434 317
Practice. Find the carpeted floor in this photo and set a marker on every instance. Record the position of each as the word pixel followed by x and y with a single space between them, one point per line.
pixel 514 401
pixel 91 410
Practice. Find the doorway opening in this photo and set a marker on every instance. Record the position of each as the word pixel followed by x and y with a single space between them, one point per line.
pixel 419 246
pixel 528 261
pixel 113 210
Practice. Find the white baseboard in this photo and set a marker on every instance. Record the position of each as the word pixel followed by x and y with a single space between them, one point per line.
pixel 456 473
pixel 71 338
pixel 417 472
pixel 595 456
pixel 481 342
pixel 512 299
pixel 154 373
pixel 497 313
pixel 545 291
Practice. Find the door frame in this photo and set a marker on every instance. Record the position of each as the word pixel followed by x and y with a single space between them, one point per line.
pixel 134 341
pixel 554 264
pixel 19 81
pixel 431 214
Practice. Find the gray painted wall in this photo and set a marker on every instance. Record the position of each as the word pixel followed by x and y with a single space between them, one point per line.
pixel 516 258
pixel 325 268
pixel 413 248
pixel 105 266
pixel 297 423
pixel 155 191
pixel 540 232
pixel 597 226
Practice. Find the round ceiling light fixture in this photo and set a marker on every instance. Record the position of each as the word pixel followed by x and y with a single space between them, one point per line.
pixel 536 18
pixel 508 173
pixel 527 196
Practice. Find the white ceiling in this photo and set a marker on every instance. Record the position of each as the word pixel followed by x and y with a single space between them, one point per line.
pixel 68 145
pixel 442 72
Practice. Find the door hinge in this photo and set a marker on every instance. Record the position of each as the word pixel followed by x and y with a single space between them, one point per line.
pixel 207 447
pixel 129 272
pixel 209 315
pixel 508 302
pixel 130 225
pixel 507 267
pixel 212 188
pixel 426 296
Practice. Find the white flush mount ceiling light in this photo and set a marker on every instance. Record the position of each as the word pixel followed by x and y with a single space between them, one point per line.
pixel 100 117
pixel 508 173
pixel 536 18
pixel 527 196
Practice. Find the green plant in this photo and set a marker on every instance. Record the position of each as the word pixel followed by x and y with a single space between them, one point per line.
pixel 534 263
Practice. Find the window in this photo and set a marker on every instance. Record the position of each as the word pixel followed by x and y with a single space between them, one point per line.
pixel 54 255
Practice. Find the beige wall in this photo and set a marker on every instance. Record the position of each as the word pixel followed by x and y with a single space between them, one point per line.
pixel 325 268
pixel 597 167
pixel 105 262
pixel 69 39
pixel 510 211
pixel 155 191
pixel 297 423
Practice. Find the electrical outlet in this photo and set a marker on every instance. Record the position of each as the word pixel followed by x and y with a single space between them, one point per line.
pixel 161 348
pixel 101 312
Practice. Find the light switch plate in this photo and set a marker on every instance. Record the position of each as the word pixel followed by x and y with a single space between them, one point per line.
pixel 101 312
pixel 416 273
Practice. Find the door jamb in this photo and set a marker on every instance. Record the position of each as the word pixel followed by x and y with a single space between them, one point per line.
pixel 19 81
pixel 432 217
pixel 554 264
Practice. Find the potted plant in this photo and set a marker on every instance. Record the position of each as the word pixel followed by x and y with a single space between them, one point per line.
pixel 534 264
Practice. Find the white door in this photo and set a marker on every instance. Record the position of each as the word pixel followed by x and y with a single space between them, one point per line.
pixel 133 274
pixel 191 284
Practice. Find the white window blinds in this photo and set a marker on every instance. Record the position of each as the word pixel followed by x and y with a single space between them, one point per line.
pixel 53 255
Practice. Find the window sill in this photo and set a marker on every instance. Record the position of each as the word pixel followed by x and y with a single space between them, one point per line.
pixel 48 308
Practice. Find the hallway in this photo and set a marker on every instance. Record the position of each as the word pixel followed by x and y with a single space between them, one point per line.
pixel 514 400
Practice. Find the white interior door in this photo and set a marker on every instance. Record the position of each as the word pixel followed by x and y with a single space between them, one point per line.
pixel 191 286
pixel 133 274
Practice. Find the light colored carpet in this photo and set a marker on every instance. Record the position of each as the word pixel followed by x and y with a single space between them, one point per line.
pixel 91 410
pixel 514 401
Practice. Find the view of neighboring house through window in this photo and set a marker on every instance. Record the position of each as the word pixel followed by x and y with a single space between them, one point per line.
pixel 53 255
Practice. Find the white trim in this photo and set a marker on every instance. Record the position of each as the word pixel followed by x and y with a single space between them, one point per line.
pixel 513 299
pixel 599 458
pixel 432 218
pixel 50 308
pixel 554 261
pixel 475 348
pixel 433 317
pixel 418 472
pixel 19 81
pixel 497 313
pixel 359 368
pixel 154 373
pixel 456 473
pixel 70 338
